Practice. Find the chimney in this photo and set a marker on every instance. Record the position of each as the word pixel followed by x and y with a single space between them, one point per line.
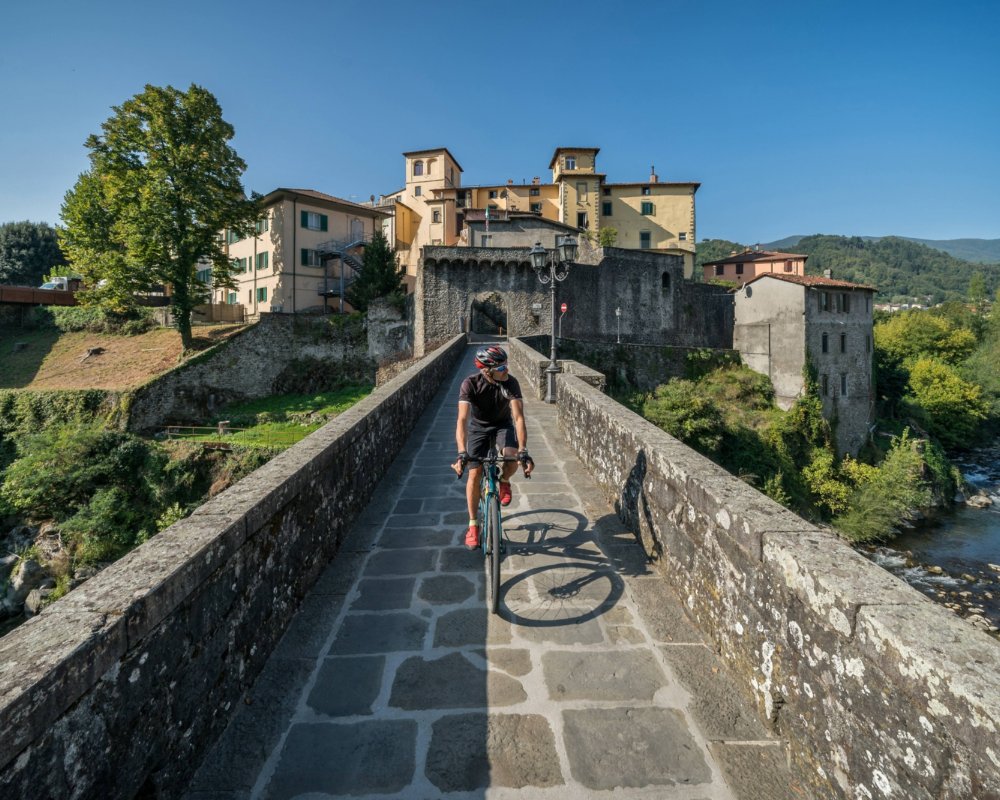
pixel 653 177
pixel 535 181
pixel 828 273
pixel 510 181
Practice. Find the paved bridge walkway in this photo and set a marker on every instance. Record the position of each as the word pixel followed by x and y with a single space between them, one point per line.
pixel 394 681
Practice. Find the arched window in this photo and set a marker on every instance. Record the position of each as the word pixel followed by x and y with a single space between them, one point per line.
pixel 665 281
pixel 418 168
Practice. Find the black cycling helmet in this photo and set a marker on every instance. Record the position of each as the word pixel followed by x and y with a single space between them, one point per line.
pixel 490 357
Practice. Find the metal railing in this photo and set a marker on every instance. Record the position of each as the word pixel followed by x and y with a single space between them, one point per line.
pixel 224 437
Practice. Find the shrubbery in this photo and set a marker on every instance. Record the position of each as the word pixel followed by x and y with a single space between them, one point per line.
pixel 92 319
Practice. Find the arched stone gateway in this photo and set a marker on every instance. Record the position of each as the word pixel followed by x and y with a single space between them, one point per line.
pixel 487 314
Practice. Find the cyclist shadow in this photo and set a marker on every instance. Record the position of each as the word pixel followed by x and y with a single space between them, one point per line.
pixel 554 572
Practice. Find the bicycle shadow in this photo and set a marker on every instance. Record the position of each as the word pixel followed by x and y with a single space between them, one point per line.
pixel 555 572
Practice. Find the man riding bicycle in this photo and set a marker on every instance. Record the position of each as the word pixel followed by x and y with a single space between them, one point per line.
pixel 490 405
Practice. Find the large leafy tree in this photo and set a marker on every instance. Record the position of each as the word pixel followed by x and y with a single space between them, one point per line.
pixel 381 275
pixel 28 251
pixel 163 183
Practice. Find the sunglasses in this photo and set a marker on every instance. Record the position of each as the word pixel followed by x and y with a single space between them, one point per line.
pixel 501 368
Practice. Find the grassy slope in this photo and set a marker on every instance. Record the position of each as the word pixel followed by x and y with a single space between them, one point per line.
pixel 52 360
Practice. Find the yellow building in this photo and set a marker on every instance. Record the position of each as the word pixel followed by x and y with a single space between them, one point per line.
pixel 430 208
pixel 282 268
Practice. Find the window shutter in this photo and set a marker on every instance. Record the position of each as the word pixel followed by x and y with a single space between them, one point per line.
pixel 322 222
pixel 305 218
pixel 305 257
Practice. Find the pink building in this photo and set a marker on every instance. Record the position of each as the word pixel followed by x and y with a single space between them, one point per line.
pixel 750 264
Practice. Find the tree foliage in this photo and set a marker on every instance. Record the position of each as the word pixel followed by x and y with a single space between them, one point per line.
pixel 163 183
pixel 947 406
pixel 909 334
pixel 381 275
pixel 28 252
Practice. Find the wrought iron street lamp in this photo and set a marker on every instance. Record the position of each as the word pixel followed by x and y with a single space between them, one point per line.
pixel 552 269
pixel 618 316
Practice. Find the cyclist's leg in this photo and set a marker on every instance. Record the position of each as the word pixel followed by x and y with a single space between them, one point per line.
pixel 507 444
pixel 477 446
pixel 472 489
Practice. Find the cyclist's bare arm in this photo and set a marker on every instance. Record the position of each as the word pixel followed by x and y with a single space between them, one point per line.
pixel 521 428
pixel 460 435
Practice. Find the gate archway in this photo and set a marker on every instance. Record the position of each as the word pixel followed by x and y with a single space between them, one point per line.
pixel 488 315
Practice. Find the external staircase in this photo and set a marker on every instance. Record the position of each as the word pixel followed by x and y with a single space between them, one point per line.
pixel 350 265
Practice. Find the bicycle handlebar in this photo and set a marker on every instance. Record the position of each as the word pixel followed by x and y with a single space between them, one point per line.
pixel 460 470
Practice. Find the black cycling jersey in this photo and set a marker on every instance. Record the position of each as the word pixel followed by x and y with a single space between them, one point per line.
pixel 490 401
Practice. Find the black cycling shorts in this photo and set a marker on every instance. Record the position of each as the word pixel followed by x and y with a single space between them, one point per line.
pixel 481 437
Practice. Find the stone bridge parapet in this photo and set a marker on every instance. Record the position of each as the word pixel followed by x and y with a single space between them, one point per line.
pixel 880 692
pixel 116 689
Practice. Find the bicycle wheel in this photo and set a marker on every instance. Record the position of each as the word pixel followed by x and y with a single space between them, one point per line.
pixel 493 551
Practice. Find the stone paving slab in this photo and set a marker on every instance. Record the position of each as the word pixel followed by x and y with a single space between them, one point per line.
pixel 592 682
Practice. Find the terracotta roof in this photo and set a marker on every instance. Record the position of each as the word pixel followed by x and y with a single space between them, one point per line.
pixel 435 150
pixel 558 150
pixel 328 198
pixel 755 255
pixel 812 280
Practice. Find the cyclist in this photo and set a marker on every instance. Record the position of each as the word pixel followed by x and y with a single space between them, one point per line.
pixel 490 404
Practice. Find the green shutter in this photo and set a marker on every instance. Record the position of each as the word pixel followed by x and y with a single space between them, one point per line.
pixel 305 257
pixel 266 260
pixel 305 219
pixel 322 222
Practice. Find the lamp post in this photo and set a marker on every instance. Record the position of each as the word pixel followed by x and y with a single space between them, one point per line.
pixel 552 270
pixel 618 316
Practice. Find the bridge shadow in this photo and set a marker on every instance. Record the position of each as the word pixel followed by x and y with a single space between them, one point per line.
pixel 23 349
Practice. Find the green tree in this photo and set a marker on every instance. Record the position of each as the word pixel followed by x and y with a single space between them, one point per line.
pixel 163 183
pixel 910 334
pixel 948 407
pixel 977 289
pixel 381 275
pixel 607 237
pixel 28 251
pixel 684 411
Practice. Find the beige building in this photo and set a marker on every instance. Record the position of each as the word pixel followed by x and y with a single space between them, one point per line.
pixel 752 263
pixel 433 205
pixel 305 242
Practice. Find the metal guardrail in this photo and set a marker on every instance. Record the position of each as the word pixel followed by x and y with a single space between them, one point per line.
pixel 223 436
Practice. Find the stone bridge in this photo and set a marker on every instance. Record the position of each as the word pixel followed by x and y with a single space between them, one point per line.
pixel 666 632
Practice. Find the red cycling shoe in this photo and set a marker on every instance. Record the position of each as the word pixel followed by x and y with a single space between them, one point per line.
pixel 472 537
pixel 505 493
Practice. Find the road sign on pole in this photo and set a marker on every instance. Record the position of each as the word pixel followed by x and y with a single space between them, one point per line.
pixel 564 308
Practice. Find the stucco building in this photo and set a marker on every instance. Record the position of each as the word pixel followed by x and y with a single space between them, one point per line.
pixel 281 268
pixel 784 321
pixel 750 263
pixel 433 206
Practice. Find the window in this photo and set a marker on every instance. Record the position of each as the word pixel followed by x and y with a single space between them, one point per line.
pixel 843 343
pixel 647 209
pixel 739 269
pixel 606 209
pixel 826 344
pixel 261 294
pixel 534 191
pixel 788 266
pixel 486 240
pixel 231 298
pixel 847 303
pixel 719 268
pixel 311 258
pixel 665 281
pixel 239 265
pixel 581 193
pixel 418 168
pixel 436 216
pixel 645 190
pixel 493 194
pixel 204 276
pixel 493 207
pixel 644 240
pixel 536 207
pixel 581 219
pixel 824 301
pixel 682 236
pixel 232 237
pixel 417 191
pixel 262 259
pixel 250 296
pixel 868 344
pixel 262 225
pixel 570 162
pixel 825 382
pixel 314 221
pixel 606 191
pixel 843 384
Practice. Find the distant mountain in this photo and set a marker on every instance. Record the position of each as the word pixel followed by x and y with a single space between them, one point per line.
pixel 899 268
pixel 978 251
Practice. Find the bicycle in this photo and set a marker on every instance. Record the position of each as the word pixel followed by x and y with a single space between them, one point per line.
pixel 490 522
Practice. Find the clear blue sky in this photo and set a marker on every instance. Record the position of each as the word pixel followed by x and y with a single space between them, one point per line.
pixel 833 116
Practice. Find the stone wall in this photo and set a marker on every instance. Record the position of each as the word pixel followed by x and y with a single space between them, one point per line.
pixel 638 366
pixel 250 364
pixel 528 366
pixel 880 692
pixel 658 306
pixel 117 689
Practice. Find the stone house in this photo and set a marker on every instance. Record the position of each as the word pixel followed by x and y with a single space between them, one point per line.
pixel 784 321
pixel 432 207
pixel 750 263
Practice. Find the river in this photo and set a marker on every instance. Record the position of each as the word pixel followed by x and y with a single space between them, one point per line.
pixel 955 559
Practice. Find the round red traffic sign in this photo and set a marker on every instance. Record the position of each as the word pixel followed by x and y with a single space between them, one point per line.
pixel 563 308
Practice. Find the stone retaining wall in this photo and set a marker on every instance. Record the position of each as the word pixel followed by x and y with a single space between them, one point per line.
pixel 880 692
pixel 528 366
pixel 117 689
